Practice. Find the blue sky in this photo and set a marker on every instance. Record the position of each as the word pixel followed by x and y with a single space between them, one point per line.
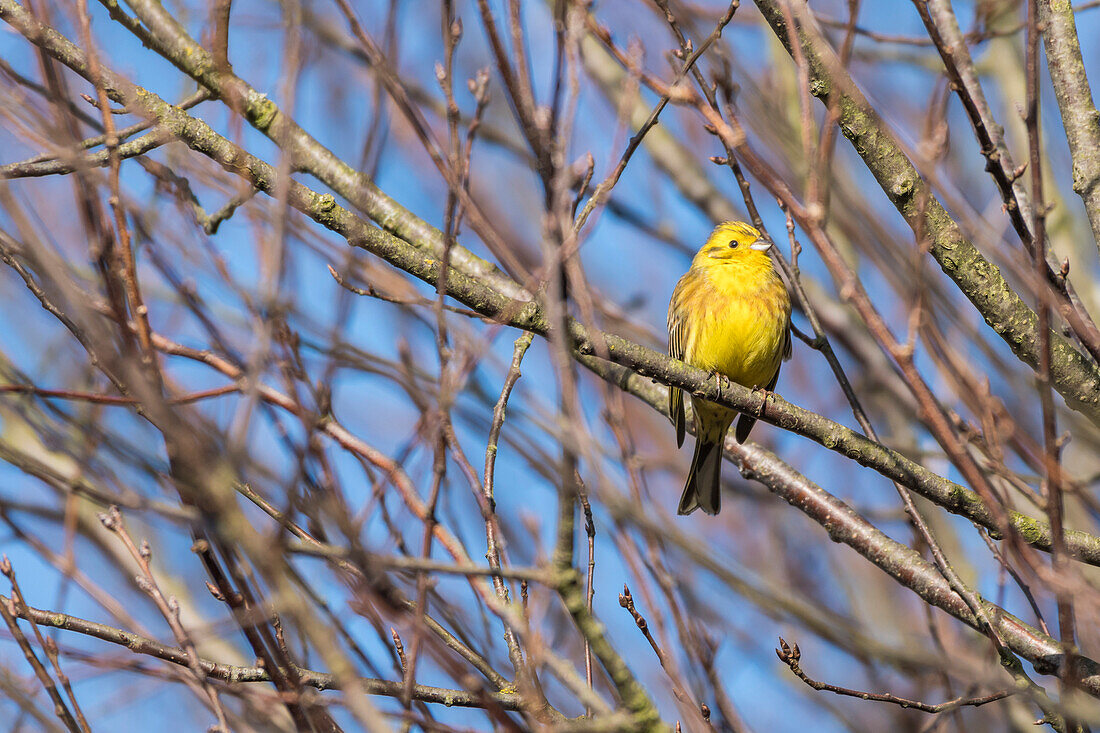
pixel 333 102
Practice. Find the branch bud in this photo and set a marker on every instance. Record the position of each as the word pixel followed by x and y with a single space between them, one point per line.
pixel 111 519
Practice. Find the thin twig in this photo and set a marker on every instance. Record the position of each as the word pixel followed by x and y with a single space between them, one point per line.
pixel 10 611
pixel 238 674
pixel 1052 468
pixel 790 655
pixel 48 645
pixel 603 190
pixel 168 607
pixel 492 530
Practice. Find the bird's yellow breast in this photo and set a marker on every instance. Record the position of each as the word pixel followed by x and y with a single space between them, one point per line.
pixel 740 326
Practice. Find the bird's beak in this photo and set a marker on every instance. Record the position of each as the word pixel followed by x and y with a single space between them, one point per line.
pixel 761 246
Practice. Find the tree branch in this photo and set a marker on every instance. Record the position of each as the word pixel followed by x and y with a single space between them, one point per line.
pixel 527 315
pixel 238 675
pixel 1075 377
pixel 1079 114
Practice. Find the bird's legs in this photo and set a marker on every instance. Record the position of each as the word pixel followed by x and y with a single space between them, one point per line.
pixel 765 393
pixel 721 381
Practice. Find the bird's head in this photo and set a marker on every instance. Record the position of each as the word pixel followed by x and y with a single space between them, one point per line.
pixel 734 241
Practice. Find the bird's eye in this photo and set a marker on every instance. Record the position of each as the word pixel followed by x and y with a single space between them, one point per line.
pixel 733 244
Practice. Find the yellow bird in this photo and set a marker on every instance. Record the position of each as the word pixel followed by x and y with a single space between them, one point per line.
pixel 730 314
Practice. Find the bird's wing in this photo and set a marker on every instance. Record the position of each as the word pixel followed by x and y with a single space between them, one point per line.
pixel 677 340
pixel 786 348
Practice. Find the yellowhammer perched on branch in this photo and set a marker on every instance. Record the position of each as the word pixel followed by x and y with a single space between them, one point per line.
pixel 730 314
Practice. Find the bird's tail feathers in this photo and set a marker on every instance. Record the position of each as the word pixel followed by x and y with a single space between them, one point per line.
pixel 705 477
pixel 744 426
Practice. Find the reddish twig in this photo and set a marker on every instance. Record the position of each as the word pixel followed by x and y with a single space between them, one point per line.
pixel 102 399
pixel 1052 468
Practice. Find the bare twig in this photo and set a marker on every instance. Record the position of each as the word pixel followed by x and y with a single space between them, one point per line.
pixel 48 646
pixel 10 612
pixel 168 607
pixel 236 674
pixel 790 655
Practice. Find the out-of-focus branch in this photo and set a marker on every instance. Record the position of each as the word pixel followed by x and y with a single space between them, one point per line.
pixel 415 503
pixel 943 29
pixel 527 315
pixel 845 525
pixel 1052 467
pixel 167 37
pixel 99 159
pixel 1079 114
pixel 1075 377
pixel 236 674
pixel 9 610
